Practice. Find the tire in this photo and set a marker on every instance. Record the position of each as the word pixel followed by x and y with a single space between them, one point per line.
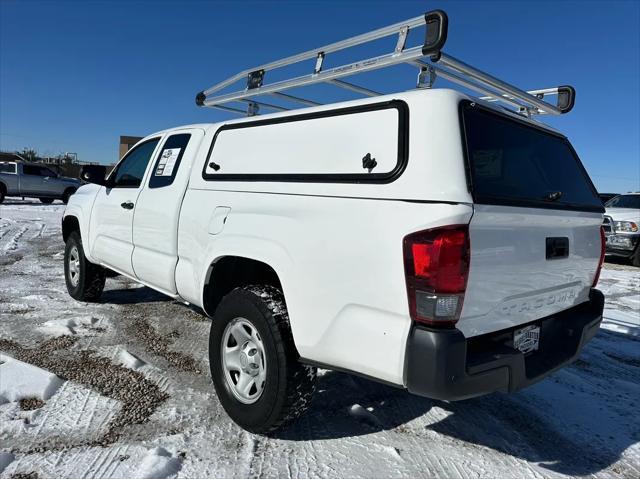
pixel 85 280
pixel 287 384
pixel 67 193
pixel 46 201
pixel 2 193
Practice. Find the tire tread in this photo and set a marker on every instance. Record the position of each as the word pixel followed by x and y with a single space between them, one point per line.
pixel 300 382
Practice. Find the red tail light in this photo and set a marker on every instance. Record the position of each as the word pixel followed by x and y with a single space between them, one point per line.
pixel 603 248
pixel 436 265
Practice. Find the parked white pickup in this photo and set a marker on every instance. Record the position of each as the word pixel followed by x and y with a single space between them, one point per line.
pixel 426 239
pixel 405 238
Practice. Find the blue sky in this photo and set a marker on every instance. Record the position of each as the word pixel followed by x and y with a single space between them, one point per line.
pixel 76 75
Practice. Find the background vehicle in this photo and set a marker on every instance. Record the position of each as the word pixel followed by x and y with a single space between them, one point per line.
pixel 622 227
pixel 607 196
pixel 34 181
pixel 425 239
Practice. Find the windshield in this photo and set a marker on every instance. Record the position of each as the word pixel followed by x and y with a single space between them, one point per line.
pixel 624 201
pixel 512 163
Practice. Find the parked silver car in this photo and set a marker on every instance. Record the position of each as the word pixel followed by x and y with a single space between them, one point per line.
pixel 34 181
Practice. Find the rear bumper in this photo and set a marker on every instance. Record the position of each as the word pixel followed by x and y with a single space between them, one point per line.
pixel 443 364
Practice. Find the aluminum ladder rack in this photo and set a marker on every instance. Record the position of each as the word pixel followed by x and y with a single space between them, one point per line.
pixel 428 57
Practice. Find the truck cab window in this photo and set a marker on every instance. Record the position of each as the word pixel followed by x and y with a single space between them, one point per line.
pixel 31 170
pixel 130 171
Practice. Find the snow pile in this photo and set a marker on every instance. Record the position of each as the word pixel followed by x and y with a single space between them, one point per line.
pixel 21 380
pixel 70 327
pixel 624 322
pixel 159 464
pixel 129 360
pixel 6 458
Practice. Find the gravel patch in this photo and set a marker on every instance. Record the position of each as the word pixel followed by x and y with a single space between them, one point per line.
pixel 139 396
pixel 159 344
pixel 30 404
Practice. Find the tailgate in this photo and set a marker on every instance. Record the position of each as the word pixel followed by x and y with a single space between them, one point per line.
pixel 535 231
pixel 519 271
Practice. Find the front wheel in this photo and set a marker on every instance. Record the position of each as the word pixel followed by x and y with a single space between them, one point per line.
pixel 46 201
pixel 85 280
pixel 254 363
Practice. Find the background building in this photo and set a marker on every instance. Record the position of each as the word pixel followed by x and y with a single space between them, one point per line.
pixel 126 143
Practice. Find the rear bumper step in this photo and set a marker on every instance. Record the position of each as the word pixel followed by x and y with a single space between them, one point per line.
pixel 443 364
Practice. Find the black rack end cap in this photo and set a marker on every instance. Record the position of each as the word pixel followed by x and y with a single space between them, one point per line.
pixel 566 98
pixel 437 26
pixel 200 98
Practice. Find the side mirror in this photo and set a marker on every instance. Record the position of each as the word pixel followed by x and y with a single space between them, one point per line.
pixel 94 174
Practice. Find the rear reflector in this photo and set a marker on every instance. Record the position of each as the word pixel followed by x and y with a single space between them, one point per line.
pixel 603 248
pixel 436 270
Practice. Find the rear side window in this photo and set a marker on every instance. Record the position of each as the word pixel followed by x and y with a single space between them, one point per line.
pixel 33 170
pixel 7 167
pixel 515 164
pixel 166 166
pixel 358 144
pixel 30 170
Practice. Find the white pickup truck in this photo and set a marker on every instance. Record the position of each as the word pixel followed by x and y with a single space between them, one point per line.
pixel 425 239
pixel 621 227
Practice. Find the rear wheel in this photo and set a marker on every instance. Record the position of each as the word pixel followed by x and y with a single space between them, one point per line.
pixel 85 280
pixel 254 364
pixel 46 201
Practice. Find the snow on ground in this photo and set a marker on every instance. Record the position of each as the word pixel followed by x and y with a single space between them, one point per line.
pixel 21 380
pixel 121 389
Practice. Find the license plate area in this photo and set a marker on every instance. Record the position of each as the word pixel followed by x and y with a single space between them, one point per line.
pixel 527 339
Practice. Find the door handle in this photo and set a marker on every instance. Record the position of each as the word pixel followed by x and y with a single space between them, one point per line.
pixel 127 205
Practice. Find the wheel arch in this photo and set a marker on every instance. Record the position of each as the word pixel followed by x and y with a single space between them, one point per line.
pixel 228 272
pixel 70 223
pixel 74 220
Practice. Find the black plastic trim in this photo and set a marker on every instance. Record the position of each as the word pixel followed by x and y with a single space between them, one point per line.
pixel 515 202
pixel 566 98
pixel 437 26
pixel 349 371
pixel 388 177
pixel 443 364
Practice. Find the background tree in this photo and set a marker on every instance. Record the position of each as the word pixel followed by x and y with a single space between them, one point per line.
pixel 28 154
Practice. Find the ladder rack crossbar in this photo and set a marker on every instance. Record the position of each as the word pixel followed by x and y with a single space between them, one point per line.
pixel 497 84
pixel 333 47
pixel 324 76
pixel 429 57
